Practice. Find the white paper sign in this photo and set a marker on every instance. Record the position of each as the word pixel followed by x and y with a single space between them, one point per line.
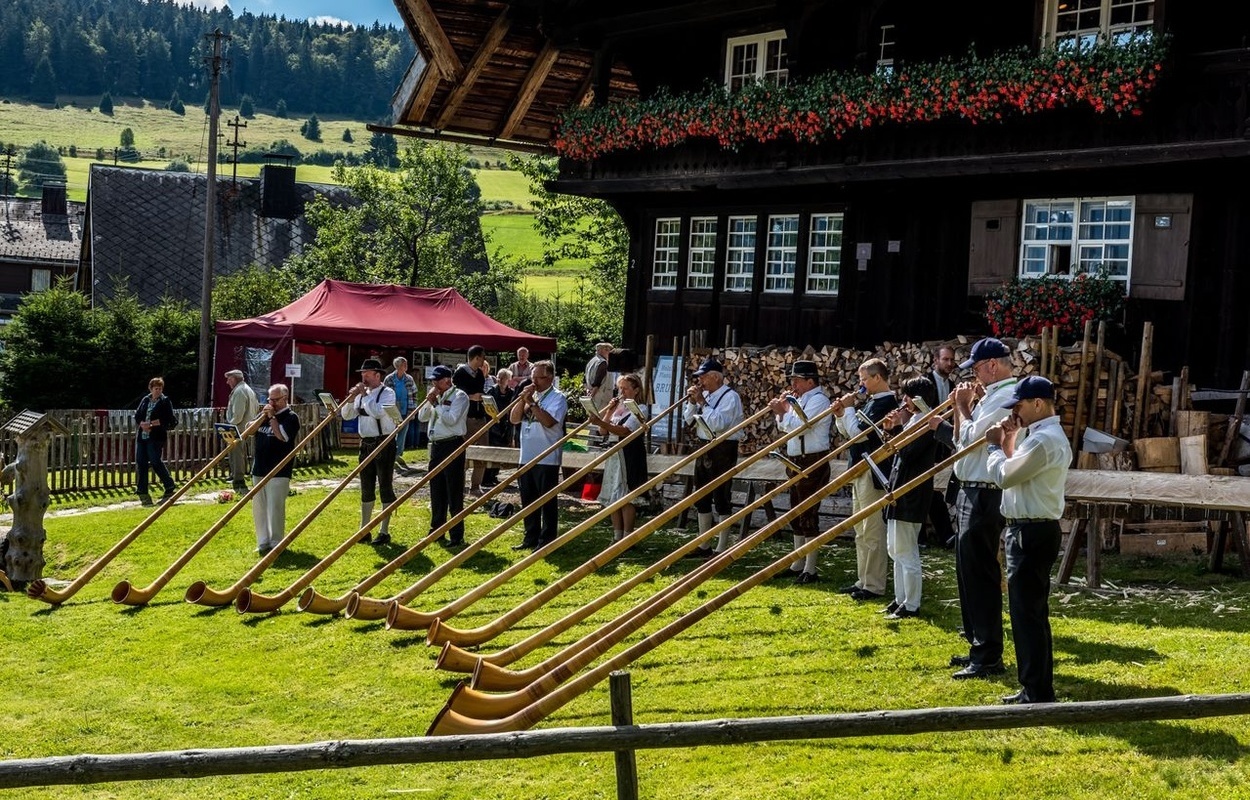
pixel 294 370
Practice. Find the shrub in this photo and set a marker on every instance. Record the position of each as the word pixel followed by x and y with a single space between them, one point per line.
pixel 1024 306
pixel 106 104
pixel 247 107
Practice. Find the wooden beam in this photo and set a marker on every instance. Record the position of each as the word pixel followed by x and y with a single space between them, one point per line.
pixel 481 58
pixel 422 97
pixel 417 132
pixel 534 80
pixel 442 54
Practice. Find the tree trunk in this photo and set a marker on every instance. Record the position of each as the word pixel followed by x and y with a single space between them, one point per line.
pixel 23 543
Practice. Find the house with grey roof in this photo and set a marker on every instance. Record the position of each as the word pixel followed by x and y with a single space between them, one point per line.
pixel 40 241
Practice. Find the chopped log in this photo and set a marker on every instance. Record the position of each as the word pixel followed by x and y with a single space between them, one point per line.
pixel 1193 450
pixel 1147 344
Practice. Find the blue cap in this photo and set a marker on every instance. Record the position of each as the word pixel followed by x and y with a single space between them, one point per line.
pixel 1030 388
pixel 710 365
pixel 986 348
pixel 441 372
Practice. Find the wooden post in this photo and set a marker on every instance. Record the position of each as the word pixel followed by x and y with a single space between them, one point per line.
pixel 1176 405
pixel 1043 367
pixel 22 545
pixel 622 716
pixel 1143 380
pixel 1093 549
pixel 1114 389
pixel 1055 364
pixel 1096 377
pixel 1234 422
pixel 1080 386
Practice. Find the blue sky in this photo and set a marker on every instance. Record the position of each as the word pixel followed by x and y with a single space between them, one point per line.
pixel 358 12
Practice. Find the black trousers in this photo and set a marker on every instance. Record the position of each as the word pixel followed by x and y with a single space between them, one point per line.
pixel 377 478
pixel 447 487
pixel 1032 548
pixel 541 524
pixel 976 568
pixel 940 518
pixel 808 523
pixel 720 460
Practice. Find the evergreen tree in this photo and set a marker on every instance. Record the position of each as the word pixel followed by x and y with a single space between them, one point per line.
pixel 383 151
pixel 311 129
pixel 279 110
pixel 106 104
pixel 40 164
pixel 127 138
pixel 175 105
pixel 43 82
pixel 347 135
pixel 247 108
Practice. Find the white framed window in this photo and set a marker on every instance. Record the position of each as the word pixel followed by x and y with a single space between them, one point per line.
pixel 701 263
pixel 1069 236
pixel 40 280
pixel 885 50
pixel 760 57
pixel 740 254
pixel 1081 24
pixel 664 260
pixel 782 253
pixel 824 254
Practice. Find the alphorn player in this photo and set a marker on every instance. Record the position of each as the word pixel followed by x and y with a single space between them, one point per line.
pixel 720 409
pixel 1032 468
pixel 446 413
pixel 978 507
pixel 794 410
pixel 874 384
pixel 369 400
pixel 540 412
pixel 275 439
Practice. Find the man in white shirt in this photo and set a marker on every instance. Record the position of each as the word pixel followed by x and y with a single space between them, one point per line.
pixel 806 449
pixel 368 403
pixel 540 412
pixel 1032 469
pixel 446 412
pixel 721 409
pixel 978 506
pixel 241 409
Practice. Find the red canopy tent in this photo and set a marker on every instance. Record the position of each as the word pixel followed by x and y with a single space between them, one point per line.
pixel 338 320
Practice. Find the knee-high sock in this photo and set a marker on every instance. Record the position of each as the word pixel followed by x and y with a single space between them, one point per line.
pixel 797 565
pixel 809 564
pixel 706 522
pixel 385 528
pixel 366 513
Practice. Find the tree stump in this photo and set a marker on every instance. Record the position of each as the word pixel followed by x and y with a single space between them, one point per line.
pixel 22 544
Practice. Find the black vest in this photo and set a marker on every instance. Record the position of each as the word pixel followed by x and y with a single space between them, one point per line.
pixel 875 409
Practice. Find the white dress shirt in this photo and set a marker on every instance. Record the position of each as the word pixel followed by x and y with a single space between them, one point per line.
pixel 448 417
pixel 721 410
pixel 848 423
pixel 985 415
pixel 535 437
pixel 816 438
pixel 369 409
pixel 1033 478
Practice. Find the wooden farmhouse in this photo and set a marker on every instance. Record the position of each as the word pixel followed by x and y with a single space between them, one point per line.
pixel 873 168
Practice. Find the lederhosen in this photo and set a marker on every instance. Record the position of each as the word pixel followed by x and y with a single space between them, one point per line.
pixel 808 523
pixel 711 465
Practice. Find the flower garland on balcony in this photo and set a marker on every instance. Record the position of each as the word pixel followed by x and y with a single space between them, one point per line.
pixel 1107 78
pixel 1023 306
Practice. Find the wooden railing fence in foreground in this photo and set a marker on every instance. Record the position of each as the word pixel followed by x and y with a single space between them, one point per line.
pixel 98 453
pixel 89 769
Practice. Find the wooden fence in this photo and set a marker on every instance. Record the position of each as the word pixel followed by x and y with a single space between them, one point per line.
pixel 98 453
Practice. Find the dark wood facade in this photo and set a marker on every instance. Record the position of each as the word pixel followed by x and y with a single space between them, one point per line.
pixel 931 212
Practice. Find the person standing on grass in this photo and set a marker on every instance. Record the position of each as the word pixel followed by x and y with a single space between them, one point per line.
pixel 720 407
pixel 402 383
pixel 446 414
pixel 1029 456
pixel 540 413
pixel 241 409
pixel 155 417
pixel 805 395
pixel 470 379
pixel 626 469
pixel 275 439
pixel 979 507
pixel 368 403
pixel 598 385
pixel 905 516
pixel 502 432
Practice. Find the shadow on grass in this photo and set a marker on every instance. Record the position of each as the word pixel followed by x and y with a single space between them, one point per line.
pixel 1084 651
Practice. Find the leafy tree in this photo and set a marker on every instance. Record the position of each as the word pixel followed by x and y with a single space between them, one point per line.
pixel 251 292
pixel 347 135
pixel 48 336
pixel 311 129
pixel 383 151
pixel 106 104
pixel 127 138
pixel 43 83
pixel 172 330
pixel 178 165
pixel 279 110
pixel 39 164
pixel 175 105
pixel 247 107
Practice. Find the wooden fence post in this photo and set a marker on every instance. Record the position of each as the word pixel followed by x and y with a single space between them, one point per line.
pixel 622 715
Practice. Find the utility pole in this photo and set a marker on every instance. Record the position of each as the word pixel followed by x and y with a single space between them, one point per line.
pixel 236 123
pixel 7 183
pixel 210 213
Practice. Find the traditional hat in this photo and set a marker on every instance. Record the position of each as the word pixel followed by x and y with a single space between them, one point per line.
pixel 371 365
pixel 805 369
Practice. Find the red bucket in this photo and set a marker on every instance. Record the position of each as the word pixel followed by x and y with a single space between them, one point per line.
pixel 590 491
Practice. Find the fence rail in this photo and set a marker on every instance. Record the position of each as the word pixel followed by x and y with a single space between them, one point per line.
pixel 98 453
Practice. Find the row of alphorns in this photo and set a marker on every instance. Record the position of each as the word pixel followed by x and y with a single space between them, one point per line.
pixel 534 693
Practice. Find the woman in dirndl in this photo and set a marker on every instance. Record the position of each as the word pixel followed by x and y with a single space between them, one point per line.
pixel 626 469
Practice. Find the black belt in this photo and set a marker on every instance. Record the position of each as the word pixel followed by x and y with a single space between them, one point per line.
pixel 449 439
pixel 370 439
pixel 979 485
pixel 1028 520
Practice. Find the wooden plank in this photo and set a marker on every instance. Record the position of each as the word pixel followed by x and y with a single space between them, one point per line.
pixel 442 54
pixel 1080 387
pixel 1143 380
pixel 464 84
pixel 534 80
pixel 1073 549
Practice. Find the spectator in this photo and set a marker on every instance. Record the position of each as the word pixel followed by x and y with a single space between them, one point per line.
pixel 155 416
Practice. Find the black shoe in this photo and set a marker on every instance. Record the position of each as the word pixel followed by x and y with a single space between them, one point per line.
pixel 145 499
pixel 489 484
pixel 787 574
pixel 891 608
pixel 239 486
pixel 864 594
pixel 806 578
pixel 852 589
pixel 168 496
pixel 979 671
pixel 524 546
pixel 700 553
pixel 960 661
pixel 383 538
pixel 903 612
pixel 367 540
pixel 1017 698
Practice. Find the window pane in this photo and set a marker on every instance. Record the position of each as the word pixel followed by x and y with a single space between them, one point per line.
pixel 783 248
pixel 740 254
pixel 1100 241
pixel 702 261
pixel 664 260
pixel 824 254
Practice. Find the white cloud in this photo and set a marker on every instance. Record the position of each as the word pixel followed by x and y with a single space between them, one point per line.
pixel 325 19
pixel 207 5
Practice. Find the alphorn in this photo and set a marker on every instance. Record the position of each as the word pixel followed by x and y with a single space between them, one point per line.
pixel 454 658
pixel 400 617
pixel 39 589
pixel 202 594
pixel 367 608
pixel 316 603
pixel 249 602
pixel 490 676
pixel 127 594
pixel 544 701
pixel 440 632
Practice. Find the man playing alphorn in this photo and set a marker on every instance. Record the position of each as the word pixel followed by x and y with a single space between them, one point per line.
pixel 446 414
pixel 794 409
pixel 540 412
pixel 720 409
pixel 369 399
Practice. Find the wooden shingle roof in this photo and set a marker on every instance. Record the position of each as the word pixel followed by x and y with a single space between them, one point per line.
pixel 27 234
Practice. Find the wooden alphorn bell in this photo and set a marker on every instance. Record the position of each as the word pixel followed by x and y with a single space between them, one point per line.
pixel 400 617
pixel 367 608
pixel 126 594
pixel 202 594
pixel 544 701
pixel 439 632
pixel 40 590
pixel 251 602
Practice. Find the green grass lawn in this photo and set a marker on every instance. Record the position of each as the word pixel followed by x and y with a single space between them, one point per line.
pixel 91 676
